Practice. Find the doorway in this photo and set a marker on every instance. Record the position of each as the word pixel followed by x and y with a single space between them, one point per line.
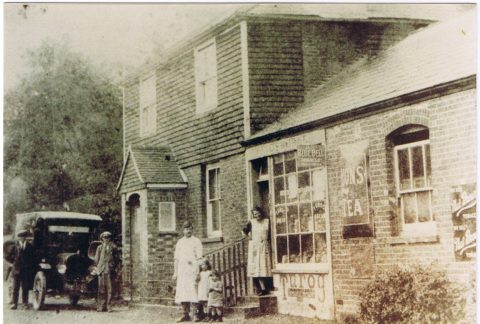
pixel 136 267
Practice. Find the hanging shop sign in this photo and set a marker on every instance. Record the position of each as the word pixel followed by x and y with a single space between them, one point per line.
pixel 311 156
pixel 354 183
pixel 464 218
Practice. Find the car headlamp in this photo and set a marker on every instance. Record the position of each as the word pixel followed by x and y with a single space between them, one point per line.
pixel 61 268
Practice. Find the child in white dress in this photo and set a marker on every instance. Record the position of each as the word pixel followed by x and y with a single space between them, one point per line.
pixel 203 279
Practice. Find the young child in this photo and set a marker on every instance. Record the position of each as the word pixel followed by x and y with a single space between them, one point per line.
pixel 203 278
pixel 215 297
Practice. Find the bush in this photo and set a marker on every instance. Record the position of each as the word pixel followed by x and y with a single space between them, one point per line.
pixel 412 295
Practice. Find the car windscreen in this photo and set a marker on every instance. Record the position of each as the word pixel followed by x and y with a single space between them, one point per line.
pixel 70 235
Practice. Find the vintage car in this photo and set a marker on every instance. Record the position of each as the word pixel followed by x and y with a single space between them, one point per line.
pixel 65 251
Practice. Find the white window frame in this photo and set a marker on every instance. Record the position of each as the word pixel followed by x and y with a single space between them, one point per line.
pixel 416 229
pixel 148 105
pixel 294 266
pixel 205 76
pixel 210 231
pixel 173 215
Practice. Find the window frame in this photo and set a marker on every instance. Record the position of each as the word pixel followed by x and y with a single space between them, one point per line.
pixel 173 215
pixel 147 110
pixel 322 266
pixel 209 201
pixel 416 228
pixel 202 106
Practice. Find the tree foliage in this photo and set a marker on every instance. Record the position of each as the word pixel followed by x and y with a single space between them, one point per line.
pixel 62 136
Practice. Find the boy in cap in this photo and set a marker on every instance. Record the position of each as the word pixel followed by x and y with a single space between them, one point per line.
pixel 105 261
pixel 22 268
pixel 188 252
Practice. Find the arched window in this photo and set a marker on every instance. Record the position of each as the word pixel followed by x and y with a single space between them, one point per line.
pixel 413 179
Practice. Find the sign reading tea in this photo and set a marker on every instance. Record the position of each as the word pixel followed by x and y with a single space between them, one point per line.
pixel 354 182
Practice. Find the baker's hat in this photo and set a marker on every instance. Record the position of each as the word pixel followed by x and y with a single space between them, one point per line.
pixel 187 224
pixel 105 234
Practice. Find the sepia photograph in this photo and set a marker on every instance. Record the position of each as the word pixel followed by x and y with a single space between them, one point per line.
pixel 257 163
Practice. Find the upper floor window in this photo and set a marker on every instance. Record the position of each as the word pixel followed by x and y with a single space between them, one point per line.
pixel 213 202
pixel 166 216
pixel 206 76
pixel 413 178
pixel 148 110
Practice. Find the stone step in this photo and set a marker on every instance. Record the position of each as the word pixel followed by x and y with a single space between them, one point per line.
pixel 244 311
pixel 256 299
pixel 252 306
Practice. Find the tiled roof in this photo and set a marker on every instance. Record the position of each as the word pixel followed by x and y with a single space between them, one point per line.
pixel 322 11
pixel 154 165
pixel 438 54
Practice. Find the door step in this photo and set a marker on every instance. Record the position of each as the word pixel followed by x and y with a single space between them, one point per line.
pixel 253 306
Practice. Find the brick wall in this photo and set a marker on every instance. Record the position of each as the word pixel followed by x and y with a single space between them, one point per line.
pixel 233 203
pixel 287 59
pixel 451 121
pixel 328 47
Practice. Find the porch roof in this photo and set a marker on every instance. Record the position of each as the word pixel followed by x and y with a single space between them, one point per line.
pixel 152 165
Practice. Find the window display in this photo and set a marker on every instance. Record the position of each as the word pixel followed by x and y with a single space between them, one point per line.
pixel 299 195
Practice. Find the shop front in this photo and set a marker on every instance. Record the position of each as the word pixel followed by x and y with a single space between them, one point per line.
pixel 288 179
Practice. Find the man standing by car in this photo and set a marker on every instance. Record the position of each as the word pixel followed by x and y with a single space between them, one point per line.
pixel 105 261
pixel 22 256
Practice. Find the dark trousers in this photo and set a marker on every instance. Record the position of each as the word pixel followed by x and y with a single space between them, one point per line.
pixel 20 280
pixel 201 309
pixel 104 298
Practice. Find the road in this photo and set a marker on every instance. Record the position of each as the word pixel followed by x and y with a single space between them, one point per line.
pixel 59 311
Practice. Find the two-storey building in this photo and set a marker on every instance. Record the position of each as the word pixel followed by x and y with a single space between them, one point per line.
pixel 350 133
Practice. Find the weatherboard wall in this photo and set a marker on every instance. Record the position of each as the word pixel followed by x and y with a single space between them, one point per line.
pixel 192 137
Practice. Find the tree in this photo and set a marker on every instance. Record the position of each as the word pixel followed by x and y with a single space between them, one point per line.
pixel 62 136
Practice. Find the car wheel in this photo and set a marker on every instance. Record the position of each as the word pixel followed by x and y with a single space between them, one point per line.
pixel 39 290
pixel 73 299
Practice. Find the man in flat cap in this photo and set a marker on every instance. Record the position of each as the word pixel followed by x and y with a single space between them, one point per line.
pixel 105 261
pixel 188 253
pixel 23 256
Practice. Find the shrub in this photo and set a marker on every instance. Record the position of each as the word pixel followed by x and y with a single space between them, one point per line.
pixel 412 295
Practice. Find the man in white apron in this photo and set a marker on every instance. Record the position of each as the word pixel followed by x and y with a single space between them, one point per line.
pixel 188 253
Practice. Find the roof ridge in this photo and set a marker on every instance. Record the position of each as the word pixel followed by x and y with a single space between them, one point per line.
pixel 150 147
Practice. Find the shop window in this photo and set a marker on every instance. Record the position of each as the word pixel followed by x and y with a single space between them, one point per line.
pixel 413 176
pixel 213 202
pixel 148 110
pixel 299 223
pixel 166 216
pixel 206 77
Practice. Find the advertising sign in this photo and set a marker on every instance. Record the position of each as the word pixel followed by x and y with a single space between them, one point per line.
pixel 304 294
pixel 354 183
pixel 464 214
pixel 311 155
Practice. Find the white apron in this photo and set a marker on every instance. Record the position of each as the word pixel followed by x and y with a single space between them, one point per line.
pixel 188 251
pixel 259 262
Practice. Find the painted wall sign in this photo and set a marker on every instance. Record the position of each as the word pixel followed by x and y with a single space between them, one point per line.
pixel 311 155
pixel 464 218
pixel 305 294
pixel 354 182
